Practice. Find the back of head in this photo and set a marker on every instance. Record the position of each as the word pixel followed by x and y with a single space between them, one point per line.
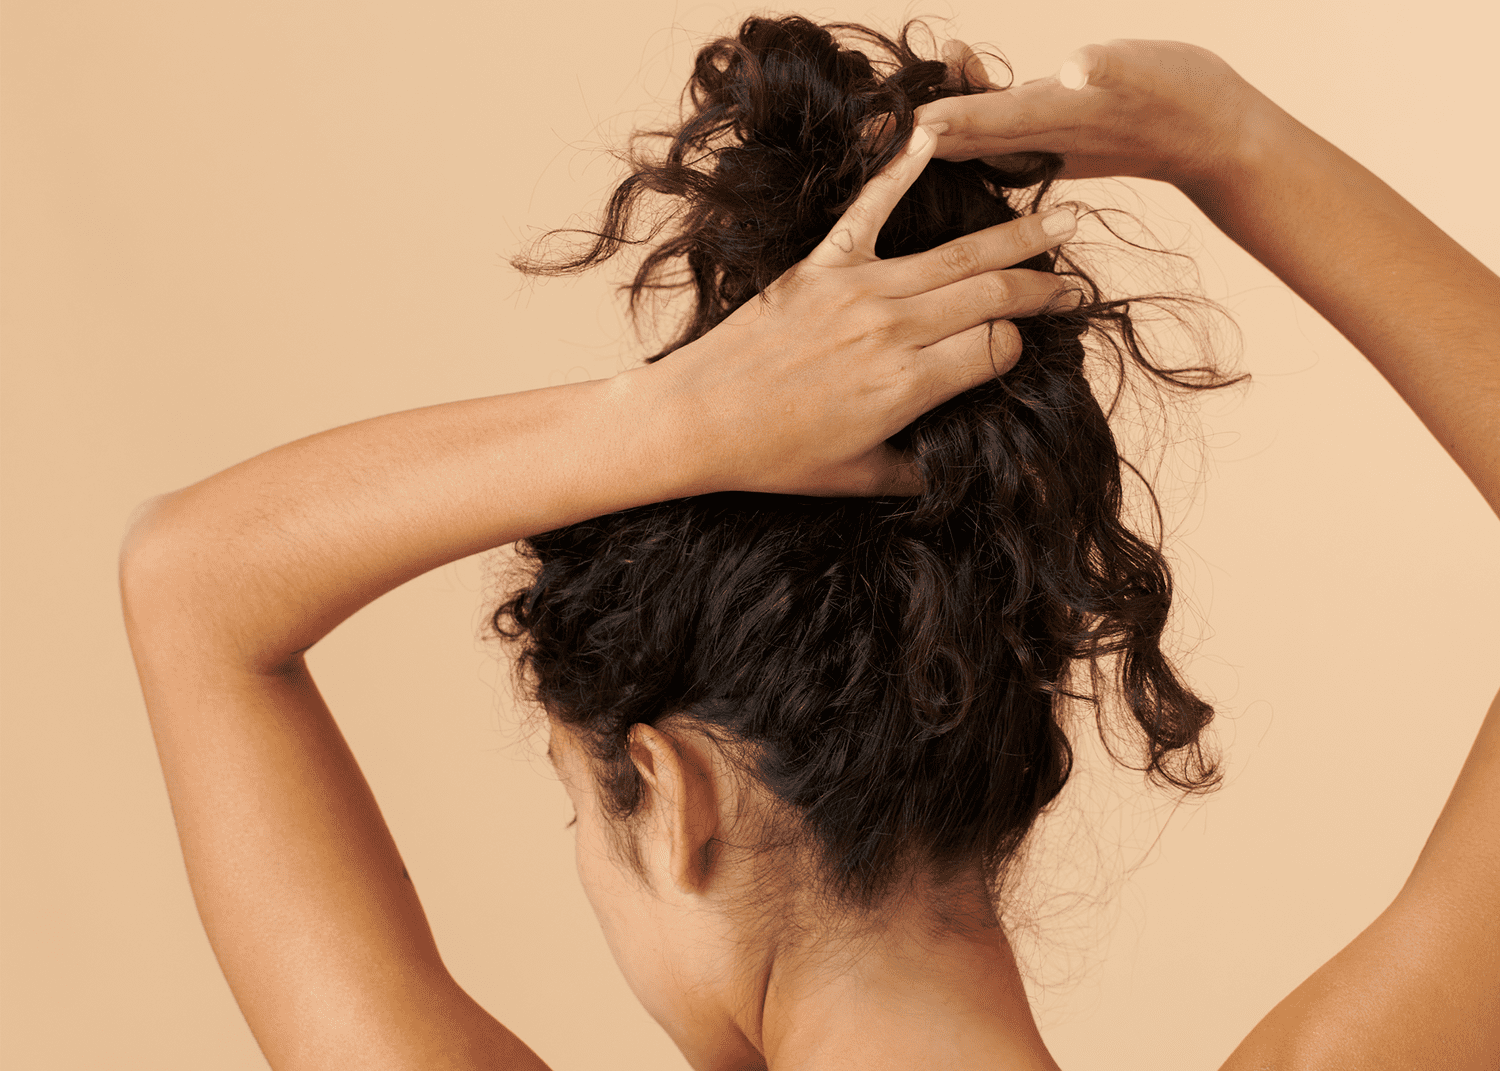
pixel 891 670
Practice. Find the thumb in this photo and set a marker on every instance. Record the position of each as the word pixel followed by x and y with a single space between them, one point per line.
pixel 1084 66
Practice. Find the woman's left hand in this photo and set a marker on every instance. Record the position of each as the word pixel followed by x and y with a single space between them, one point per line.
pixel 798 391
pixel 1161 110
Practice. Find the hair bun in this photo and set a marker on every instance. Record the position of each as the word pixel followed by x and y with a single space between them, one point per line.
pixel 788 125
pixel 897 664
pixel 783 124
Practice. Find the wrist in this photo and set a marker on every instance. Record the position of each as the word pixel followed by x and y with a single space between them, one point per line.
pixel 1226 132
pixel 659 406
pixel 1259 142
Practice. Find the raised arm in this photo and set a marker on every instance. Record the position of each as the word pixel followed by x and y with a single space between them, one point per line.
pixel 1420 988
pixel 226 583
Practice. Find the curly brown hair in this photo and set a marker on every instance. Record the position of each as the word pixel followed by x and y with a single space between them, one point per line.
pixel 894 667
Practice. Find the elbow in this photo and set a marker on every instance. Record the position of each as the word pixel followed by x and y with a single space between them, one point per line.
pixel 189 589
pixel 139 524
pixel 171 586
pixel 153 554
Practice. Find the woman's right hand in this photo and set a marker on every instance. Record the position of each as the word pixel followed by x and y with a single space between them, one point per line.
pixel 1149 109
pixel 798 391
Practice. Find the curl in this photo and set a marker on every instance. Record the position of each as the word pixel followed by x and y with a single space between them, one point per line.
pixel 894 667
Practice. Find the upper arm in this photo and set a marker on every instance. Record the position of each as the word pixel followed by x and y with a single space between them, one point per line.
pixel 1405 995
pixel 1420 988
pixel 298 881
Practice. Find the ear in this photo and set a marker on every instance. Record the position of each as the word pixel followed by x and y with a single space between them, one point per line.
pixel 682 801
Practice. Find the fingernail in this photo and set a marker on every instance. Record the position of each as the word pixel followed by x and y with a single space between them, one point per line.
pixel 1066 300
pixel 1059 223
pixel 1072 75
pixel 921 137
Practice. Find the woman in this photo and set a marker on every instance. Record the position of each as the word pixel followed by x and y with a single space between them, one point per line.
pixel 749 928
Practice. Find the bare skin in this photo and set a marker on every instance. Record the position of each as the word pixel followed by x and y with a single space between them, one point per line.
pixel 299 884
pixel 903 997
pixel 326 947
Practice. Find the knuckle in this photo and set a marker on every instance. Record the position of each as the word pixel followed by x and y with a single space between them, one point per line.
pixel 1099 57
pixel 882 322
pixel 999 289
pixel 960 258
pixel 856 317
pixel 1035 289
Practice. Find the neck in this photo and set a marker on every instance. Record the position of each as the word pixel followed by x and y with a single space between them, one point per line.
pixel 901 1000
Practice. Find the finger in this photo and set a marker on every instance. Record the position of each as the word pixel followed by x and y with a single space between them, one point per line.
pixel 852 239
pixel 1013 294
pixel 1087 66
pixel 1027 118
pixel 940 372
pixel 983 251
pixel 967 359
pixel 1072 75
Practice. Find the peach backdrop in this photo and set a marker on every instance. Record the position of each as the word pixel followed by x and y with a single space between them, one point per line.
pixel 227 226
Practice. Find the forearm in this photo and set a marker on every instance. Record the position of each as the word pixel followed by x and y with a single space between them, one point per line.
pixel 1427 314
pixel 298 881
pixel 1422 309
pixel 260 561
pixel 1417 988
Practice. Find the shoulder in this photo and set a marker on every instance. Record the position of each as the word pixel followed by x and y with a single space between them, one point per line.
pixel 1402 996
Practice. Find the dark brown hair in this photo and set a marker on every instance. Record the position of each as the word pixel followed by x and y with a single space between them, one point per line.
pixel 894 667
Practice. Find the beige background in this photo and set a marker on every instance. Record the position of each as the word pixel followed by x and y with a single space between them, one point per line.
pixel 230 225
